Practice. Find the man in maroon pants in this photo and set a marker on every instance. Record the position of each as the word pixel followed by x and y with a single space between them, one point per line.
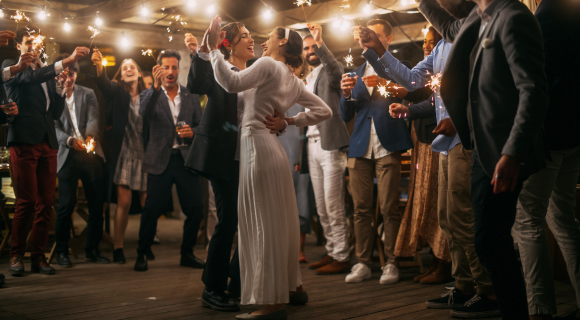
pixel 33 148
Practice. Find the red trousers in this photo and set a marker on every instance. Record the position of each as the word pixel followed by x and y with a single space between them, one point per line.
pixel 34 171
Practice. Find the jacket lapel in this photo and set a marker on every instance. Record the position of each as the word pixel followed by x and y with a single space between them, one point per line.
pixel 78 108
pixel 362 88
pixel 68 117
pixel 182 111
pixel 318 79
pixel 165 105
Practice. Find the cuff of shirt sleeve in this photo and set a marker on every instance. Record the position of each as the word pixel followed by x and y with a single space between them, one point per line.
pixel 70 141
pixel 203 55
pixel 58 67
pixel 6 74
pixel 283 131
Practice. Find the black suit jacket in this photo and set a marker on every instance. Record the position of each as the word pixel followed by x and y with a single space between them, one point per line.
pixel 213 151
pixel 500 78
pixel 423 127
pixel 560 22
pixel 34 123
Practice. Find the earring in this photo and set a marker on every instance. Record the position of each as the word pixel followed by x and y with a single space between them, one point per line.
pixel 231 51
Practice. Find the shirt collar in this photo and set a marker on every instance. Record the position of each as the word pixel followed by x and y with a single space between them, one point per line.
pixel 488 12
pixel 178 89
pixel 314 72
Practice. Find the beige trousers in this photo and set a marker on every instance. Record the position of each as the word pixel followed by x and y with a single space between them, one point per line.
pixel 456 218
pixel 362 173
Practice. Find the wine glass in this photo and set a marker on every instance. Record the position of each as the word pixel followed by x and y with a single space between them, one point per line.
pixel 179 126
pixel 5 106
pixel 352 75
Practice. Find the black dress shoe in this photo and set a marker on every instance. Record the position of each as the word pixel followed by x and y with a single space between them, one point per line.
pixel 141 263
pixel 150 255
pixel 190 260
pixel 218 301
pixel 63 260
pixel 234 291
pixel 96 256
pixel 119 256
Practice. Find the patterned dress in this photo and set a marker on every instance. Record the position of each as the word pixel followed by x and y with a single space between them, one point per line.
pixel 420 223
pixel 128 171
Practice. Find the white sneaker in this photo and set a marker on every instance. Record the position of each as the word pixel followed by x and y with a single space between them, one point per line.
pixel 390 274
pixel 358 273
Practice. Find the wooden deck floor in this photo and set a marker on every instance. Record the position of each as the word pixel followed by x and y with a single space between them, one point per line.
pixel 168 291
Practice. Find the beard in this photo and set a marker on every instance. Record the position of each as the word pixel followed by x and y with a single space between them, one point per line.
pixel 457 8
pixel 314 62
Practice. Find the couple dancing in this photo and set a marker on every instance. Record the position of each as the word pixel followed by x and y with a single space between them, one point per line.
pixel 268 224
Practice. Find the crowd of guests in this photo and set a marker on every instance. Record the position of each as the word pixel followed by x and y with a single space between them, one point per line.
pixel 495 153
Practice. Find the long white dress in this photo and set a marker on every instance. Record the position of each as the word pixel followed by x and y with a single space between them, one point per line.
pixel 267 214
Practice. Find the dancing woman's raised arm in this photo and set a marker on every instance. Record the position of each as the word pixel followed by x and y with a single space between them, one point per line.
pixel 318 111
pixel 234 82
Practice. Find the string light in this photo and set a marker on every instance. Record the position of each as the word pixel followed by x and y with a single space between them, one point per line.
pixel 98 21
pixel 191 3
pixel 267 14
pixel 144 11
pixel 425 30
pixel 368 9
pixel 124 42
pixel 1 12
pixel 211 9
pixel 66 27
pixel 42 14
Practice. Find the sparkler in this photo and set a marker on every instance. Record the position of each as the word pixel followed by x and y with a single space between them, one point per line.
pixel 349 60
pixel 95 33
pixel 19 16
pixel 301 3
pixel 383 90
pixel 90 146
pixel 435 82
pixel 149 52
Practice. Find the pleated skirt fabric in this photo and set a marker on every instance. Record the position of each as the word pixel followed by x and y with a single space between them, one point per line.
pixel 268 221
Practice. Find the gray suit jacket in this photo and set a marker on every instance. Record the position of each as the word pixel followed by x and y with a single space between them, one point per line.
pixel 333 132
pixel 87 114
pixel 494 87
pixel 157 115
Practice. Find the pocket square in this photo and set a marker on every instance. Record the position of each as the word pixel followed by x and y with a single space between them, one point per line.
pixel 487 43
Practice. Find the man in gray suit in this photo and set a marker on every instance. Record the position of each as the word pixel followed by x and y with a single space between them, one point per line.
pixel 326 155
pixel 163 106
pixel 76 159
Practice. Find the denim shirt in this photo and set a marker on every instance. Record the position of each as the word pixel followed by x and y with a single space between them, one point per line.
pixel 419 77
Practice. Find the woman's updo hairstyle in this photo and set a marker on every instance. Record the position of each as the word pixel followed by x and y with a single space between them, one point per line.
pixel 232 30
pixel 293 52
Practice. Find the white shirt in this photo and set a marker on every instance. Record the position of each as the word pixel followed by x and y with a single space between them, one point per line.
pixel 70 103
pixel 375 148
pixel 175 107
pixel 313 132
pixel 7 75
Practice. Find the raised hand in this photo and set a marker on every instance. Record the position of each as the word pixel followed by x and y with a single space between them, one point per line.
pixel 316 32
pixel 26 59
pixel 191 42
pixel 158 74
pixel 204 46
pixel 10 109
pixel 78 53
pixel 505 176
pixel 369 39
pixel 61 78
pixel 97 57
pixel 356 34
pixel 6 36
pixel 216 36
pixel 397 110
pixel 78 145
pixel 347 84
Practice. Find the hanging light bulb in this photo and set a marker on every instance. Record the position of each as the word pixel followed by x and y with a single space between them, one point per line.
pixel 98 21
pixel 66 27
pixel 124 42
pixel 337 23
pixel 1 12
pixel 368 9
pixel 191 3
pixel 104 62
pixel 42 14
pixel 267 14
pixel 211 9
pixel 144 11
pixel 425 30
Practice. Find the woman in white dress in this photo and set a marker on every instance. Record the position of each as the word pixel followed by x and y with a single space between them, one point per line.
pixel 267 212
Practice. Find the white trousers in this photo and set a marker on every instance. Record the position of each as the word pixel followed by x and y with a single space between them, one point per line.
pixel 327 170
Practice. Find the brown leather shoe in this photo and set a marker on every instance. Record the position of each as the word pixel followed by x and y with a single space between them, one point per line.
pixel 432 267
pixel 326 260
pixel 335 267
pixel 16 266
pixel 39 265
pixel 441 275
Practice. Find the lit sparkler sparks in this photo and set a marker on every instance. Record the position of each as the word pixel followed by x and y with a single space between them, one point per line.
pixel 149 52
pixel 90 146
pixel 383 90
pixel 349 60
pixel 435 82
pixel 301 3
pixel 95 32
pixel 19 16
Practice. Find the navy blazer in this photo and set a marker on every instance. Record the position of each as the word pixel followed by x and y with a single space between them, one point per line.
pixel 33 122
pixel 393 133
pixel 156 112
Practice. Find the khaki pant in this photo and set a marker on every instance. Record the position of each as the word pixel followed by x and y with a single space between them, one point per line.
pixel 362 173
pixel 456 218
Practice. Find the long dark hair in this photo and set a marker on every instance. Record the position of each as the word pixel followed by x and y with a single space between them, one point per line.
pixel 232 30
pixel 125 85
pixel 293 51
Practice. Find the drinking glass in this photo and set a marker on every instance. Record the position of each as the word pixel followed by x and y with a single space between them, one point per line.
pixel 179 126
